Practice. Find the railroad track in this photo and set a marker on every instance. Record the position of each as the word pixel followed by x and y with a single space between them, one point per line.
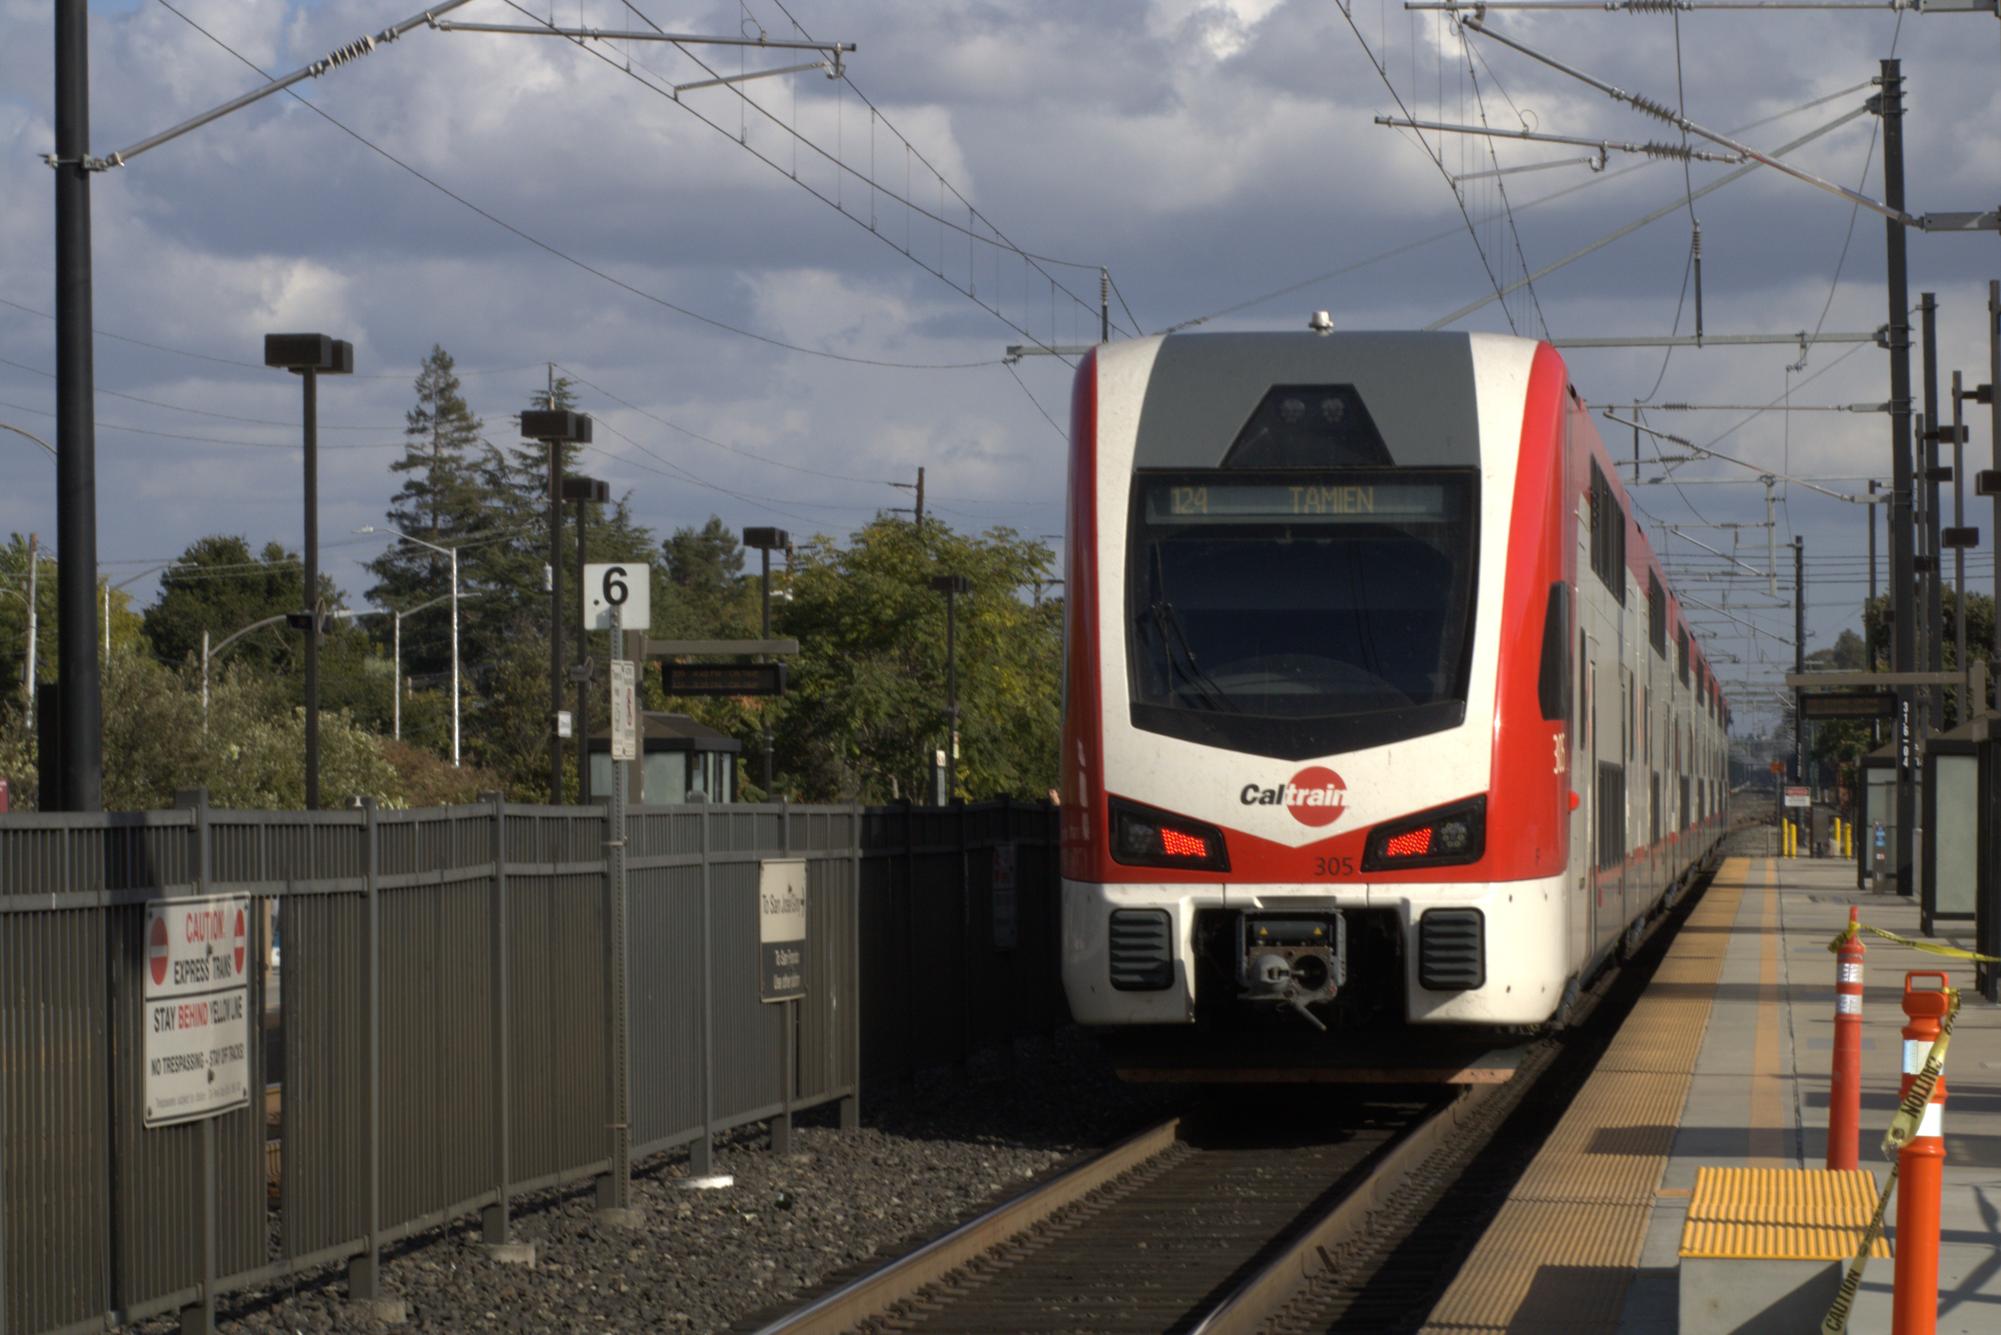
pixel 1206 1225
pixel 1196 1224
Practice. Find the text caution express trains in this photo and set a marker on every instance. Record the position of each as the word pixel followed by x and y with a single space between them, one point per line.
pixel 1377 707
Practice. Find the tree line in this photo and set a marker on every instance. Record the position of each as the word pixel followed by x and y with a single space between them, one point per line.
pixel 863 712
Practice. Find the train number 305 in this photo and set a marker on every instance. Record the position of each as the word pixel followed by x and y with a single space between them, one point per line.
pixel 1333 866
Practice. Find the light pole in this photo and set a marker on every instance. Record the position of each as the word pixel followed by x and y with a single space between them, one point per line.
pixel 453 554
pixel 583 492
pixel 766 540
pixel 952 586
pixel 34 606
pixel 308 356
pixel 396 664
pixel 555 428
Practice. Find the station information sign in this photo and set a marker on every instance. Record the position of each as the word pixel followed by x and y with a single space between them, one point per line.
pixel 197 1017
pixel 1797 796
pixel 723 678
pixel 781 929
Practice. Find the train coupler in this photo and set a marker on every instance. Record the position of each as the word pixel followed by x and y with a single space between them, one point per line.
pixel 1292 960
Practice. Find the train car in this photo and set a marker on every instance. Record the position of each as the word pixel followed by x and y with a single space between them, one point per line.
pixel 1378 709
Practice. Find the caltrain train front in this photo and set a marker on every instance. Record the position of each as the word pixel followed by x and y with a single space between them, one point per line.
pixel 1317 666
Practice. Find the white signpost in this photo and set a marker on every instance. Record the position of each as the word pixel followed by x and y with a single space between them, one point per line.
pixel 197 1020
pixel 627 586
pixel 624 709
pixel 781 929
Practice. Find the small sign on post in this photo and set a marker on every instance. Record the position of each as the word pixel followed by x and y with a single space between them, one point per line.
pixel 196 1022
pixel 781 929
pixel 625 587
pixel 1797 796
pixel 624 710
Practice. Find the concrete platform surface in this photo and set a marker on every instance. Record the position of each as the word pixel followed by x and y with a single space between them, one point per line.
pixel 1759 1093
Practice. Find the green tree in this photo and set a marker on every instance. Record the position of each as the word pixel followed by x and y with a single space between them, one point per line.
pixel 868 703
pixel 14 619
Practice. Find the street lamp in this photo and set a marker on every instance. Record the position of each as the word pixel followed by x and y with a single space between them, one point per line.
pixel 952 586
pixel 453 553
pixel 555 428
pixel 766 540
pixel 308 356
pixel 583 492
pixel 207 653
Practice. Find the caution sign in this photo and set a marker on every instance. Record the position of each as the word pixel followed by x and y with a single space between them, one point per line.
pixel 781 929
pixel 197 1020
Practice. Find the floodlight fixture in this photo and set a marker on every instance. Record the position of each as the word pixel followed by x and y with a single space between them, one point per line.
pixel 557 424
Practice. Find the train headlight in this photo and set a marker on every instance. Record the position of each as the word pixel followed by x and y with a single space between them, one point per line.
pixel 1438 838
pixel 1145 837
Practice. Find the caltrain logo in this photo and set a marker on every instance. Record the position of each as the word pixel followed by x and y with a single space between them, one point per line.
pixel 1314 796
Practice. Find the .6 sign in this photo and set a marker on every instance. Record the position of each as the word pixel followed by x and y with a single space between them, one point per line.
pixel 627 586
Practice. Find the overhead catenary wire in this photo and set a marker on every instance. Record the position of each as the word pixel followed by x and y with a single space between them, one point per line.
pixel 967 290
pixel 567 258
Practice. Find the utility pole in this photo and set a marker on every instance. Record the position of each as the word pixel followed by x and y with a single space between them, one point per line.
pixel 555 428
pixel 920 499
pixel 1104 304
pixel 1870 645
pixel 79 786
pixel 1934 604
pixel 1799 655
pixel 1903 624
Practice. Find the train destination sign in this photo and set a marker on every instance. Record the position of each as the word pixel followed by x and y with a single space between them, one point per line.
pixel 196 1020
pixel 1848 704
pixel 1331 499
pixel 723 678
pixel 781 929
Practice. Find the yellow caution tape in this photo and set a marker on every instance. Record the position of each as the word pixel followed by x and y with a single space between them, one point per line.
pixel 1905 1124
pixel 1903 1128
pixel 1836 1320
pixel 1848 933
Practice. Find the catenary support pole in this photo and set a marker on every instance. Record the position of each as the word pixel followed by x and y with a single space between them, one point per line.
pixel 1933 574
pixel 1799 655
pixel 555 618
pixel 1968 707
pixel 79 786
pixel 1994 458
pixel 1903 618
pixel 580 725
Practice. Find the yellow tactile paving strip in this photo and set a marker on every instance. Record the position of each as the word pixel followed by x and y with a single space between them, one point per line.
pixel 1563 1248
pixel 1755 1214
pixel 1770 1129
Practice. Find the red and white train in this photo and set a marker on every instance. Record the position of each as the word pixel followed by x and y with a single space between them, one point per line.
pixel 1378 708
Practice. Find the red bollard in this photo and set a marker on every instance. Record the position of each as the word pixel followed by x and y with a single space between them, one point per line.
pixel 1844 1093
pixel 1920 1169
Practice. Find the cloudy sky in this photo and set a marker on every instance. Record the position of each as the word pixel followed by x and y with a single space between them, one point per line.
pixel 787 297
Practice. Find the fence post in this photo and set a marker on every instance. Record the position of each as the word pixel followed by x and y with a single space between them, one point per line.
pixel 615 1189
pixel 965 979
pixel 851 1106
pixel 781 1125
pixel 198 1317
pixel 701 1155
pixel 906 966
pixel 364 1272
pixel 494 1224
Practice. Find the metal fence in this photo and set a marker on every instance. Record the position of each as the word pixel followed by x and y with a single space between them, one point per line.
pixel 448 1035
pixel 957 959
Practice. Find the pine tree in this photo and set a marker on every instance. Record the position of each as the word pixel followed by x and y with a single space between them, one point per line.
pixel 440 501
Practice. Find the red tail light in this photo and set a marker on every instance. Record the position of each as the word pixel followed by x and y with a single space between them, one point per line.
pixel 1179 844
pixel 1410 844
pixel 1147 837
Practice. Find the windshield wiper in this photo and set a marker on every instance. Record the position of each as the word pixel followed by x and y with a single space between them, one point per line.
pixel 1173 636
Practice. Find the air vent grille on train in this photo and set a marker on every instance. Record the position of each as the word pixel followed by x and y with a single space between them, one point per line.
pixel 1142 951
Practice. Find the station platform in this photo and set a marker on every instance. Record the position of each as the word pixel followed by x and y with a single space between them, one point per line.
pixel 1724 1062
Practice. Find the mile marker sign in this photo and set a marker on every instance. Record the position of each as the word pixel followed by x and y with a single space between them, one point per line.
pixel 625 585
pixel 197 1017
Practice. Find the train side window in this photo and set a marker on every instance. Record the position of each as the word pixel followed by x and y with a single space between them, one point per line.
pixel 1657 614
pixel 1553 682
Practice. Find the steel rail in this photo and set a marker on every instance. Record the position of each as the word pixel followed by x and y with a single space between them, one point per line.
pixel 845 1307
pixel 1263 1295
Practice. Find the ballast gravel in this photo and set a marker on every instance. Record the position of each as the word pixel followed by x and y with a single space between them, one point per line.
pixel 927 1156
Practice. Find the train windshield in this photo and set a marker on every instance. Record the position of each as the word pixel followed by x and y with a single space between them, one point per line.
pixel 1295 613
